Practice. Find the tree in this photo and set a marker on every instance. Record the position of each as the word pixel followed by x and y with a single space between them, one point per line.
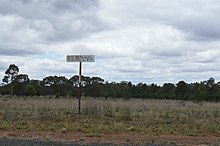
pixel 124 89
pixel 6 79
pixel 167 91
pixel 96 80
pixel 95 87
pixel 55 85
pixel 141 91
pixel 29 90
pixel 21 78
pixel 201 92
pixel 212 90
pixel 210 82
pixel 19 83
pixel 182 90
pixel 10 75
pixel 74 81
pixel 154 90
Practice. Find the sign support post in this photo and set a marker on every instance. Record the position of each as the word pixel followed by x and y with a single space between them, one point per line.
pixel 80 86
pixel 80 59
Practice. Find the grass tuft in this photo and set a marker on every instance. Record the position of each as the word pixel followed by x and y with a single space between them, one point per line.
pixel 109 116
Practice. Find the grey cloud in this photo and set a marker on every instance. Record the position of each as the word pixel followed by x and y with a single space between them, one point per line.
pixel 166 53
pixel 206 60
pixel 198 19
pixel 67 20
pixel 74 30
pixel 54 68
pixel 129 69
pixel 54 71
pixel 200 23
pixel 23 1
pixel 198 69
pixel 5 8
pixel 74 5
pixel 48 9
pixel 18 52
pixel 202 28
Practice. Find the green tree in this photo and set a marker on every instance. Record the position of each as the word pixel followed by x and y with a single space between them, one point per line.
pixel 154 90
pixel 19 84
pixel 10 75
pixel 96 80
pixel 168 91
pixel 201 92
pixel 74 81
pixel 38 85
pixel 210 82
pixel 30 90
pixel 124 89
pixel 182 90
pixel 212 89
pixel 56 85
pixel 95 88
pixel 141 91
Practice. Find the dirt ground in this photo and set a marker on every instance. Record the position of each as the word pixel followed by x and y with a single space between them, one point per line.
pixel 115 139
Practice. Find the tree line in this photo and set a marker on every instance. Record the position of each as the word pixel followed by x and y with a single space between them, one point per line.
pixel 60 86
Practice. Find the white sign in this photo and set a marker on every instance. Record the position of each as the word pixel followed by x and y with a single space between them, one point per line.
pixel 80 58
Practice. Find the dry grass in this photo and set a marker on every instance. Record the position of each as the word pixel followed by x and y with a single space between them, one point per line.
pixel 114 115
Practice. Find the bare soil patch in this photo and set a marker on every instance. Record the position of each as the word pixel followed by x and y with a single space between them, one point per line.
pixel 115 138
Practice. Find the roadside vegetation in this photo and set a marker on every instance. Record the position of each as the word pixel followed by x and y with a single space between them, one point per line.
pixel 59 86
pixel 100 116
pixel 51 104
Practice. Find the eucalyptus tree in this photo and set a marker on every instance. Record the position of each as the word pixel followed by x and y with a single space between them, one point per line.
pixel 167 91
pixel 56 85
pixel 20 83
pixel 10 75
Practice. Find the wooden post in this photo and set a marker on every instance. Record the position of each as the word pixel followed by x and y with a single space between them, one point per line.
pixel 80 87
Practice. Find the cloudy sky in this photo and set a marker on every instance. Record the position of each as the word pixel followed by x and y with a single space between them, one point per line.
pixel 150 41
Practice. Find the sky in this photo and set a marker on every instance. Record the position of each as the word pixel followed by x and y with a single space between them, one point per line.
pixel 148 41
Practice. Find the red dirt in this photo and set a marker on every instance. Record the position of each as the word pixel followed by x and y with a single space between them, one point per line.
pixel 116 138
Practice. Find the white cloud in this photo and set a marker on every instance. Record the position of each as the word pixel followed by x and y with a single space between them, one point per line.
pixel 140 41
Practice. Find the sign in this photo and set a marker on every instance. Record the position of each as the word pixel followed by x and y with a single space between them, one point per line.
pixel 80 58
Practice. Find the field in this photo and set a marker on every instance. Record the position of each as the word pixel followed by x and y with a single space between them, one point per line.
pixel 100 116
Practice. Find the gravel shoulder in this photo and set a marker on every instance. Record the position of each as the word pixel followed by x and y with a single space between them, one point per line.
pixel 30 138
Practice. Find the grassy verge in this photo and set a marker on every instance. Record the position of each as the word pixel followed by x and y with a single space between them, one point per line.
pixel 110 116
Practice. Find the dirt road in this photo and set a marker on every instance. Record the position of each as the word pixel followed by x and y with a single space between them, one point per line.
pixel 16 142
pixel 30 138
